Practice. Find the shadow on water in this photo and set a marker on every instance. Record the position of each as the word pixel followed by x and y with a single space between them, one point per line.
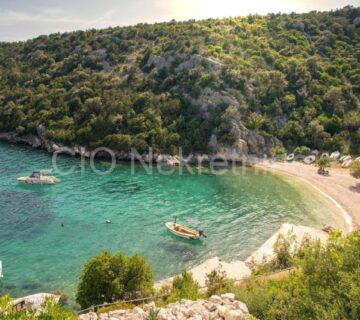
pixel 182 251
pixel 121 187
pixel 23 214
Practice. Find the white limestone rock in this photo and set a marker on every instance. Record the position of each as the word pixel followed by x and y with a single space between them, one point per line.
pixel 216 308
pixel 235 315
pixel 215 299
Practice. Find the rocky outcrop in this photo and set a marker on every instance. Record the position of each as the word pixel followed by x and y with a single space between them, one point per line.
pixel 209 98
pixel 29 139
pixel 182 62
pixel 223 307
pixel 36 301
pixel 247 142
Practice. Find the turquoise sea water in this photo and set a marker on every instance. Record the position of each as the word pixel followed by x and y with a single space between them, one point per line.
pixel 237 211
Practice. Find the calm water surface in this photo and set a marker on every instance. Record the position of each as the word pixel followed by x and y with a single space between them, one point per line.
pixel 237 211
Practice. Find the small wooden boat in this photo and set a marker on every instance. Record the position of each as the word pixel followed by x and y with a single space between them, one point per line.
pixel 184 232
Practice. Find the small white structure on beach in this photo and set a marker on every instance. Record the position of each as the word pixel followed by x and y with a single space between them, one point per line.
pixel 344 159
pixel 347 163
pixel 310 159
pixel 335 155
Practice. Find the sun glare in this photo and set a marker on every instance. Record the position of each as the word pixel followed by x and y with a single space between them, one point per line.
pixel 200 9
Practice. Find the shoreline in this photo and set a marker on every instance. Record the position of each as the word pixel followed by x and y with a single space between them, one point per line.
pixel 336 188
pixel 238 269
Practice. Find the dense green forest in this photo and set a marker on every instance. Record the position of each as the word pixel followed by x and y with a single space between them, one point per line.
pixel 292 76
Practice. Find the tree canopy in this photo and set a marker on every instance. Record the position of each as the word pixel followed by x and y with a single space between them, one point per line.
pixel 108 278
pixel 323 284
pixel 293 76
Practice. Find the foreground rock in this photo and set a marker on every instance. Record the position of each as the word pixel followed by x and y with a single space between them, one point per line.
pixel 35 301
pixel 223 307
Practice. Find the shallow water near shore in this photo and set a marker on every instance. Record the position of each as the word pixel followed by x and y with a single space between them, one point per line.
pixel 237 211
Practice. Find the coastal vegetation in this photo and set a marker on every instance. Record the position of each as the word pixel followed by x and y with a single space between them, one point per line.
pixel 355 170
pixel 321 282
pixel 50 311
pixel 302 150
pixel 290 76
pixel 109 278
pixel 184 287
pixel 278 153
pixel 322 163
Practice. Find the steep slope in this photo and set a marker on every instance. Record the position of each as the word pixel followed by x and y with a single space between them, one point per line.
pixel 206 86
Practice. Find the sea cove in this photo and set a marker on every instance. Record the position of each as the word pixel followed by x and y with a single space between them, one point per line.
pixel 238 211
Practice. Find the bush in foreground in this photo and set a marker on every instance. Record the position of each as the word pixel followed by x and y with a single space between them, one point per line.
pixel 302 150
pixel 324 284
pixel 184 287
pixel 50 310
pixel 218 283
pixel 108 278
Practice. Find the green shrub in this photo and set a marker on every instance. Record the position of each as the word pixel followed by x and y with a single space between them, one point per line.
pixel 217 283
pixel 323 285
pixel 302 150
pixel 285 249
pixel 153 314
pixel 185 287
pixel 278 152
pixel 50 310
pixel 108 278
pixel 323 162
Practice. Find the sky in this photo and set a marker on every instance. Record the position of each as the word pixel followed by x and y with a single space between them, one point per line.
pixel 25 19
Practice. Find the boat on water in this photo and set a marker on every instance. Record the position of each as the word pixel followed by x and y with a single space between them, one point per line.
pixel 184 232
pixel 39 177
pixel 1 271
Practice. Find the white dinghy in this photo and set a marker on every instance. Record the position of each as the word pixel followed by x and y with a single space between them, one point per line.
pixel 39 177
pixel 184 232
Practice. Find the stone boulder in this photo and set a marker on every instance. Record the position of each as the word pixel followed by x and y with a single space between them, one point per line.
pixel 224 307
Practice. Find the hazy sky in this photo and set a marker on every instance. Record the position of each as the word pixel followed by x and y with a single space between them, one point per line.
pixel 24 19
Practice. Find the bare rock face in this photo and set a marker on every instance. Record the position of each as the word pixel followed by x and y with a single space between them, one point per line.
pixel 247 142
pixel 183 62
pixel 209 98
pixel 223 307
pixel 357 21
